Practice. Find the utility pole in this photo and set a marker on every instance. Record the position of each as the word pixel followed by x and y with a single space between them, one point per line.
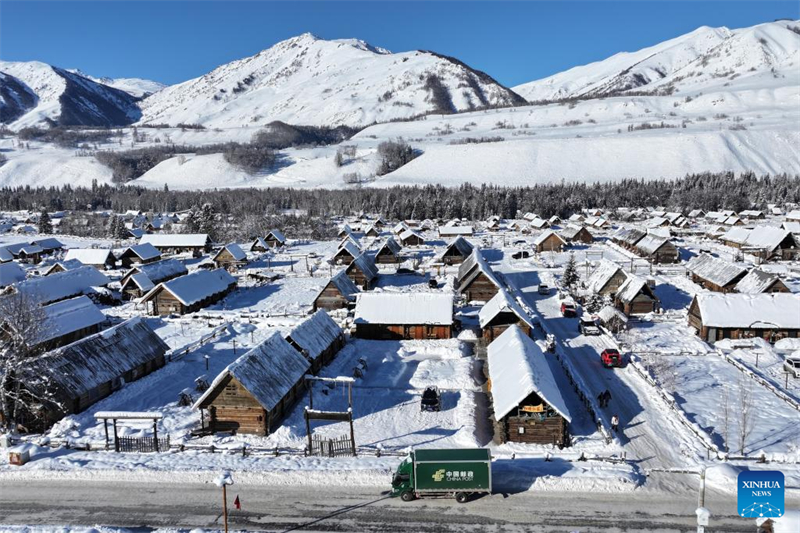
pixel 223 481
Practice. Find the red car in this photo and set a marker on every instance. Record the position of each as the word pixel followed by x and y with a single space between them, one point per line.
pixel 569 309
pixel 611 358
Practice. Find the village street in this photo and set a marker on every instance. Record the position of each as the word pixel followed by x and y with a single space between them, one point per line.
pixel 299 508
pixel 648 431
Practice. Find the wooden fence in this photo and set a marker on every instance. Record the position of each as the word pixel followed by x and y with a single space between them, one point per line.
pixel 337 447
pixel 143 444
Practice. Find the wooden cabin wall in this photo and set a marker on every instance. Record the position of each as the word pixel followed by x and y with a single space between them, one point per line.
pixel 402 332
pixel 480 289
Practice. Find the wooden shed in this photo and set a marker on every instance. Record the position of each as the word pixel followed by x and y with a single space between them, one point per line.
pixel 757 282
pixel 99 258
pixel 62 285
pixel 406 315
pixel 715 274
pixel 635 297
pixel 457 251
pixel 175 243
pixel 189 293
pixel 628 237
pixel 254 392
pixel 410 237
pixel 142 254
pixel 72 378
pixel 346 253
pixel 141 279
pixel 527 403
pixel 230 257
pixel 657 250
pixel 339 293
pixel 318 338
pixel 362 271
pixel 500 313
pixel 573 234
pixel 549 241
pixel 275 238
pixel 389 252
pixel 771 316
pixel 476 279
pixel 606 278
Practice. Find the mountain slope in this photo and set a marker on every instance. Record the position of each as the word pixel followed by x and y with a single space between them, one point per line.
pixel 64 98
pixel 306 80
pixel 137 87
pixel 703 58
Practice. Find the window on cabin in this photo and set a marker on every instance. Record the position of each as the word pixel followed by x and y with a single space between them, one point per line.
pixel 521 430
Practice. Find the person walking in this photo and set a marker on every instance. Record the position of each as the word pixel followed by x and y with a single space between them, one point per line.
pixel 615 423
pixel 607 398
pixel 602 398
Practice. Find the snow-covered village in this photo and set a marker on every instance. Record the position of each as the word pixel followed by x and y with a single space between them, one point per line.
pixel 248 302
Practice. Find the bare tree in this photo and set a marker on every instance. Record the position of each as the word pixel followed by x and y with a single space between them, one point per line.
pixel 23 326
pixel 746 412
pixel 726 418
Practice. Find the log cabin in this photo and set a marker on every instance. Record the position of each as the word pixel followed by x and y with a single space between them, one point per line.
pixel 407 315
pixel 256 391
pixel 715 274
pixel 275 239
pixel 657 250
pixel 346 253
pixel 765 242
pixel 362 271
pixel 757 282
pixel 259 245
pixel 230 257
pixel 139 280
pixel 339 293
pixel 499 314
pixel 62 285
pixel 189 293
pixel 142 254
pixel 527 403
pixel 574 234
pixel 455 231
pixel 318 338
pixel 176 243
pixel 389 252
pixel 549 241
pixel 457 251
pixel 476 279
pixel 11 273
pixel 71 378
pixel 771 316
pixel 628 237
pixel 635 297
pixel 606 278
pixel 410 237
pixel 99 258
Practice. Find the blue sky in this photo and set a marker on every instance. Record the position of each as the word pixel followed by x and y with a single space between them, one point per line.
pixel 513 41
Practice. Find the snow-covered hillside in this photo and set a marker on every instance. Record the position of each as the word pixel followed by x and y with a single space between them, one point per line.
pixel 311 81
pixel 63 97
pixel 137 87
pixel 704 58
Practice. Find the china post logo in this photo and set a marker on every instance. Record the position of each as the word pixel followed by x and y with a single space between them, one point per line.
pixel 760 494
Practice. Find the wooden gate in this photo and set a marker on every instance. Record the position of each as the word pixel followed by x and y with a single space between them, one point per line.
pixel 337 447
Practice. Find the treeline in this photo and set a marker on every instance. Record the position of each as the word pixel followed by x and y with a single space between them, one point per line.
pixel 708 191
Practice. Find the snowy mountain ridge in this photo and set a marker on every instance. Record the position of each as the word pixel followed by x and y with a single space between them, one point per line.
pixel 137 87
pixel 307 80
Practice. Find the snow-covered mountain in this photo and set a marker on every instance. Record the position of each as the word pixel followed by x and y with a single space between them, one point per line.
pixel 137 87
pixel 307 80
pixel 32 93
pixel 699 60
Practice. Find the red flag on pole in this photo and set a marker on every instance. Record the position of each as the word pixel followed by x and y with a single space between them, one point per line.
pixel 237 503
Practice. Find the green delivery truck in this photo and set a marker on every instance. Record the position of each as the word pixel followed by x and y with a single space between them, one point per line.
pixel 457 472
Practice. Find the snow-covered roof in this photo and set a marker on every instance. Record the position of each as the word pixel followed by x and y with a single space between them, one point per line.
pixel 392 245
pixel 449 231
pixel 717 271
pixel 407 234
pixel 62 284
pixel 545 235
pixel 433 308
pixel 268 372
pixel 144 252
pixel 502 302
pixel 631 287
pixel 348 248
pixel 72 264
pixel 750 310
pixel 90 256
pixel 235 250
pixel 78 368
pixel 159 270
pixel 650 243
pixel 68 316
pixel 197 286
pixel 175 240
pixel 539 223
pixel 603 272
pixel 571 231
pixel 366 264
pixel 345 286
pixel 610 312
pixel 316 334
pixel 277 235
pixel 474 265
pixel 756 282
pixel 629 236
pixel 761 237
pixel 10 273
pixel 48 243
pixel 517 368
pixel 141 281
pixel 5 255
pixel 791 227
pixel 461 245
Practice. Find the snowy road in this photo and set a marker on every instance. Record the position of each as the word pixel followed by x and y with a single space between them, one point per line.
pixel 282 508
pixel 649 432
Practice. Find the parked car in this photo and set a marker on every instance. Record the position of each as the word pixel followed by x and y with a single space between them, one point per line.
pixel 587 326
pixel 569 309
pixel 521 254
pixel 792 366
pixel 611 357
pixel 431 400
pixel 544 290
pixel 433 283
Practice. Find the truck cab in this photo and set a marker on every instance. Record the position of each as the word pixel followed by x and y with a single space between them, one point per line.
pixel 402 484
